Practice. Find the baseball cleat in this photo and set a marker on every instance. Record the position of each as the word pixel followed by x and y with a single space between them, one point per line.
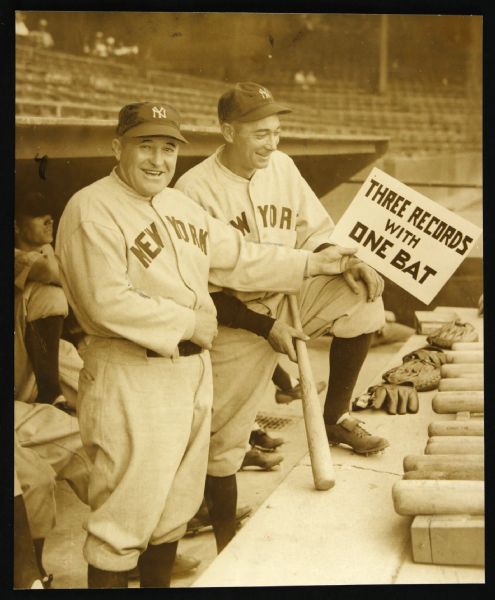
pixel 201 520
pixel 257 458
pixel 350 432
pixel 183 564
pixel 295 393
pixel 262 440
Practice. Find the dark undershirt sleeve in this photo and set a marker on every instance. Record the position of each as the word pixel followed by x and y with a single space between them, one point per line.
pixel 231 312
pixel 322 247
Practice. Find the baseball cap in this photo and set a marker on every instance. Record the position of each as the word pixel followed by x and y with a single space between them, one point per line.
pixel 33 204
pixel 248 101
pixel 149 119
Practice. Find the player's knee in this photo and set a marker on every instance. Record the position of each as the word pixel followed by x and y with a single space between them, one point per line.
pixel 38 489
pixel 47 301
pixel 368 317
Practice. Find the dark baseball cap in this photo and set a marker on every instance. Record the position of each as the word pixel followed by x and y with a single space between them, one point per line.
pixel 248 101
pixel 149 119
pixel 33 204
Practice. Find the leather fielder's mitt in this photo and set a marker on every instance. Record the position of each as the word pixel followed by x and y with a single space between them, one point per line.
pixel 432 354
pixel 423 373
pixel 457 331
pixel 394 398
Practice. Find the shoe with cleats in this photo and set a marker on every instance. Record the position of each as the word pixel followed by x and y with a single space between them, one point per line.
pixel 350 432
pixel 257 458
pixel 201 520
pixel 262 440
pixel 295 393
pixel 183 564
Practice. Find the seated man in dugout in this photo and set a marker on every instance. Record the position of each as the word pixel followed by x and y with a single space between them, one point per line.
pixel 46 367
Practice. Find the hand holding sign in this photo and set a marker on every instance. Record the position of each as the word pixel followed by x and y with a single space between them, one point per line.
pixel 331 261
pixel 359 271
pixel 415 242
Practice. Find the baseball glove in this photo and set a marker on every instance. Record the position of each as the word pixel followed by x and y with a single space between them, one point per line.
pixel 395 398
pixel 430 353
pixel 457 331
pixel 421 372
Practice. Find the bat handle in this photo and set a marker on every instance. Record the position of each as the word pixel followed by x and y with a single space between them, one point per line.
pixel 294 309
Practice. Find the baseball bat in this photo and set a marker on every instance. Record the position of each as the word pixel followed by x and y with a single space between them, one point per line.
pixel 416 497
pixel 454 384
pixel 465 356
pixel 319 448
pixel 467 346
pixel 475 474
pixel 473 427
pixel 452 444
pixel 453 402
pixel 456 370
pixel 442 462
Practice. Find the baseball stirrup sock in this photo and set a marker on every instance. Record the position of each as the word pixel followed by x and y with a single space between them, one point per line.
pixel 282 379
pixel 155 565
pixel 42 344
pixel 347 356
pixel 221 499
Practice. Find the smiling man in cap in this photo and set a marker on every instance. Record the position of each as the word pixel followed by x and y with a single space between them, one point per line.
pixel 259 191
pixel 136 257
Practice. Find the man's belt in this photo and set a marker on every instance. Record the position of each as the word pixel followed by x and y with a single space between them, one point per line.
pixel 186 348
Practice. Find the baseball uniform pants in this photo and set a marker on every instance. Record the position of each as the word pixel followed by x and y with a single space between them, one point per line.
pixel 243 363
pixel 47 447
pixel 146 424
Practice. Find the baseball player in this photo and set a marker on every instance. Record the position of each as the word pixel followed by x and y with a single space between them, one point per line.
pixel 47 441
pixel 136 258
pixel 259 191
pixel 40 303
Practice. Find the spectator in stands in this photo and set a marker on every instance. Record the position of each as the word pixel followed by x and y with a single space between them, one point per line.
pixel 122 50
pixel 20 25
pixel 311 79
pixel 99 46
pixel 41 37
pixel 86 48
pixel 300 79
pixel 110 46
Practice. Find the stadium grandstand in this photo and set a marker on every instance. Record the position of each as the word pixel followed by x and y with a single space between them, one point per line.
pixel 426 108
pixel 399 91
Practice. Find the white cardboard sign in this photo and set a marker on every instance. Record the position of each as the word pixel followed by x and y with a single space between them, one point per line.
pixel 407 237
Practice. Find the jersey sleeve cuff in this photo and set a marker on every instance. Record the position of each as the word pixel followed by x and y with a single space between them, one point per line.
pixel 190 324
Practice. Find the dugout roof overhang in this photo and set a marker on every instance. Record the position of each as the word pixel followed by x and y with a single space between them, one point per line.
pixel 325 160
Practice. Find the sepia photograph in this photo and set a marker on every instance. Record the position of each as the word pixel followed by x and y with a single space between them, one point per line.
pixel 248 299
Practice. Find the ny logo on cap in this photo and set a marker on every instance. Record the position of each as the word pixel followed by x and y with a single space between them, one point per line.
pixel 159 112
pixel 264 93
